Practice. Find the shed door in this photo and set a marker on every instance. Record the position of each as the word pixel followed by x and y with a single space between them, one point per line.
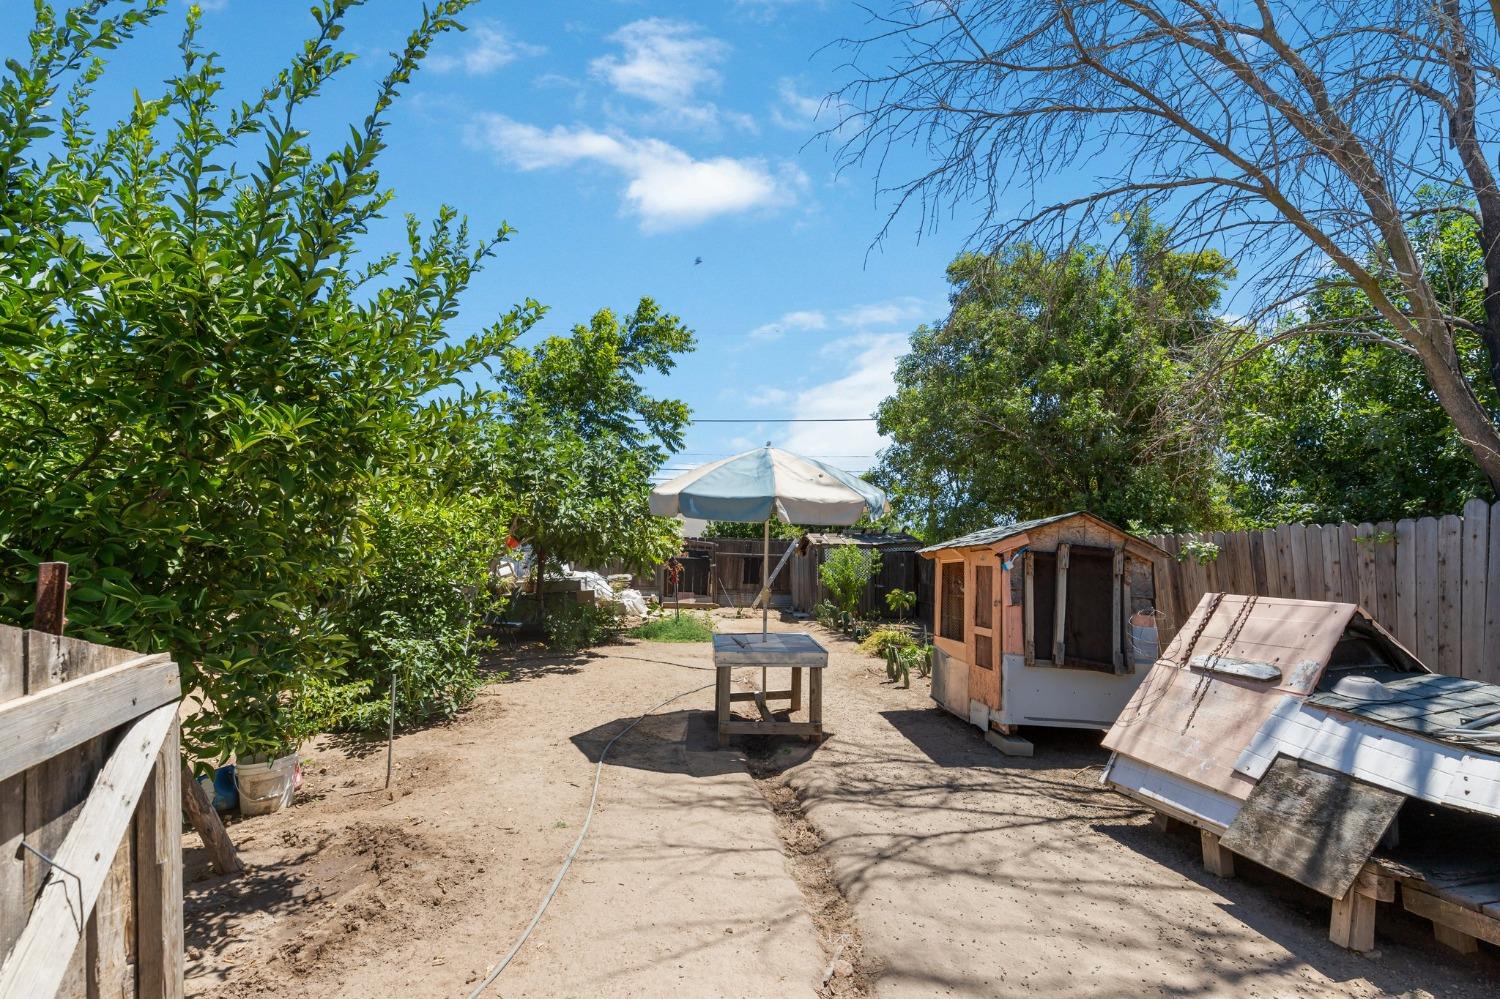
pixel 984 658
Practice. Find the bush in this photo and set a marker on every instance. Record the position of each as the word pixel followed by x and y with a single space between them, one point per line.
pixel 687 628
pixel 900 661
pixel 847 572
pixel 573 625
pixel 826 614
pixel 882 640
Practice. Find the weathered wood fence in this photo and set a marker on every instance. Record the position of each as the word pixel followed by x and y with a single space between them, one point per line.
pixel 90 821
pixel 1433 582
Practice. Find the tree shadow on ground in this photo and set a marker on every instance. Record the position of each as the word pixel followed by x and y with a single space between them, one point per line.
pixel 1296 917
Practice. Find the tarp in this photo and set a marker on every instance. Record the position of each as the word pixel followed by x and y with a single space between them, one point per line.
pixel 757 485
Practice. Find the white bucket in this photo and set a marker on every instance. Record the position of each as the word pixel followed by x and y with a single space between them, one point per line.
pixel 265 787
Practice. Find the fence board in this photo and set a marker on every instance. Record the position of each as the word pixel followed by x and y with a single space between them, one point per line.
pixel 1450 595
pixel 1385 570
pixel 1301 544
pixel 1272 563
pixel 1288 563
pixel 1406 584
pixel 1350 552
pixel 14 902
pixel 1333 562
pixel 1492 602
pixel 1476 528
pixel 1428 603
pixel 1364 570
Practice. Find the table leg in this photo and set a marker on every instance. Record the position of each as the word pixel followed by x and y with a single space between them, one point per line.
pixel 721 692
pixel 815 699
pixel 796 689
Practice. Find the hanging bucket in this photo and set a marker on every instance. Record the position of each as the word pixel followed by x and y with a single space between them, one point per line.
pixel 265 787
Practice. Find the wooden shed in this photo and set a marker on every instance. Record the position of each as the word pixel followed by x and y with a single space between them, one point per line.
pixel 1045 622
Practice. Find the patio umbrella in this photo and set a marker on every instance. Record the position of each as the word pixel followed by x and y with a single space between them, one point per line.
pixel 764 483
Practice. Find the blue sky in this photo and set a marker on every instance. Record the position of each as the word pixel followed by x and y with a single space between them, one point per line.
pixel 624 141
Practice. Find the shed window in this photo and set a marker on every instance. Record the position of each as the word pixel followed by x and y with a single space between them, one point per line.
pixel 984 596
pixel 952 625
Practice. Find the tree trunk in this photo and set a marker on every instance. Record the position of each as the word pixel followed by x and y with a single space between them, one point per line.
pixel 1475 427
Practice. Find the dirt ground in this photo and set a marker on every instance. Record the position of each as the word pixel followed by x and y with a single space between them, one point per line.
pixel 902 857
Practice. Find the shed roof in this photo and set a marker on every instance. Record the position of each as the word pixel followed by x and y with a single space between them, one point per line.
pixel 998 533
pixel 898 541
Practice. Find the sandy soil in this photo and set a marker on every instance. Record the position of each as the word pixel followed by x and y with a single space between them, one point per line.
pixel 903 853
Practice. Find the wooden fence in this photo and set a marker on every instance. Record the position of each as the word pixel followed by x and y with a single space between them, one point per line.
pixel 1434 582
pixel 90 821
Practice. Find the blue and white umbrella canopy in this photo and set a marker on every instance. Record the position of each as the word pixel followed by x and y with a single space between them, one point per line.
pixel 766 483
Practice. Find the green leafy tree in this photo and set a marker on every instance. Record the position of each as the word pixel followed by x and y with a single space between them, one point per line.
pixel 1052 386
pixel 900 601
pixel 1338 426
pixel 199 386
pixel 583 437
pixel 846 572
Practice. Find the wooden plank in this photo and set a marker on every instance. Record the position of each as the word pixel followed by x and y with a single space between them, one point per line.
pixel 56 789
pixel 1492 602
pixel 1476 555
pixel 1216 858
pixel 199 809
pixel 1301 569
pixel 1455 917
pixel 1352 923
pixel 1333 562
pixel 87 852
pixel 1316 826
pixel 738 727
pixel 42 725
pixel 1260 570
pixel 1317 568
pixel 14 902
pixel 1364 569
pixel 1385 574
pixel 1285 549
pixel 1349 562
pixel 1427 591
pixel 51 598
pixel 1450 595
pixel 1060 609
pixel 1406 584
pixel 760 706
pixel 721 699
pixel 109 942
pixel 158 875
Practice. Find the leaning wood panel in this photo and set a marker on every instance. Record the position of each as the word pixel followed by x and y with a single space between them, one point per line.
pixel 1450 595
pixel 1476 557
pixel 1406 585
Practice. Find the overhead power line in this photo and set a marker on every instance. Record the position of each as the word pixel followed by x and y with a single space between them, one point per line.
pixel 824 419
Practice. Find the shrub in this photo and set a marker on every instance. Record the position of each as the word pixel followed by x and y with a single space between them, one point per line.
pixel 573 625
pixel 687 628
pixel 882 640
pixel 900 601
pixel 846 573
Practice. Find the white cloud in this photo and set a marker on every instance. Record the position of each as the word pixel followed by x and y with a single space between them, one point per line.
pixel 486 48
pixel 894 312
pixel 666 63
pixel 665 186
pixel 803 319
pixel 794 110
pixel 768 396
pixel 867 377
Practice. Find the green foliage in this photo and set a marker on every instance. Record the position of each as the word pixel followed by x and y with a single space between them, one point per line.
pixel 756 530
pixel 900 601
pixel 198 385
pixel 1330 426
pixel 826 614
pixel 846 572
pixel 1202 552
pixel 882 641
pixel 573 626
pixel 426 584
pixel 901 660
pixel 689 627
pixel 1055 384
pixel 583 437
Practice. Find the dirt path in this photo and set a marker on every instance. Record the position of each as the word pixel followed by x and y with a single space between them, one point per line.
pixel 682 885
pixel 904 847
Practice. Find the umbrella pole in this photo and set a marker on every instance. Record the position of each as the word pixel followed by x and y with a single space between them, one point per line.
pixel 765 606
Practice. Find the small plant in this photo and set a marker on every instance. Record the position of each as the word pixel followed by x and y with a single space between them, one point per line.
pixel 826 614
pixel 882 640
pixel 901 660
pixel 574 625
pixel 847 573
pixel 692 628
pixel 900 601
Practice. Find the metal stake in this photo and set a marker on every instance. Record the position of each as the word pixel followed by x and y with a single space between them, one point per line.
pixel 390 741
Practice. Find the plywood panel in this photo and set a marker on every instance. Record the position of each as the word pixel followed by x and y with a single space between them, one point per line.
pixel 1476 554
pixel 1316 826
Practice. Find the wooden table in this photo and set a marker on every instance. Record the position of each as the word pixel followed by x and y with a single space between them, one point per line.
pixel 796 651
